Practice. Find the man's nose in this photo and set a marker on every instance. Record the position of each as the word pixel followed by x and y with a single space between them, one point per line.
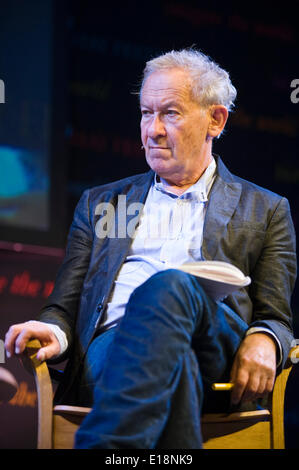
pixel 156 127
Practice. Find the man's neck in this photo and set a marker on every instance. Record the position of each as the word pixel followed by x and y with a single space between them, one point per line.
pixel 179 186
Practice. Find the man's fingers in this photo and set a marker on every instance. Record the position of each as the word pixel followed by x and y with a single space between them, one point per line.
pixel 18 336
pixel 262 389
pixel 247 387
pixel 240 382
pixel 270 384
pixel 254 389
pixel 254 367
pixel 21 340
pixel 47 352
pixel 250 387
pixel 10 338
pixel 239 378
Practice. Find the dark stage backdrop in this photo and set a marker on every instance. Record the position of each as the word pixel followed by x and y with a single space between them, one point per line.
pixel 26 280
pixel 32 122
pixel 108 48
pixel 87 57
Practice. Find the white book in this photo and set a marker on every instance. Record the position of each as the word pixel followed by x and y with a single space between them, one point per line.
pixel 218 278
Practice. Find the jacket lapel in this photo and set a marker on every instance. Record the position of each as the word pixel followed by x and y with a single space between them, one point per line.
pixel 223 200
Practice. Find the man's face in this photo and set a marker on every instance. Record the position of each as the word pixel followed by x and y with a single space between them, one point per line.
pixel 174 127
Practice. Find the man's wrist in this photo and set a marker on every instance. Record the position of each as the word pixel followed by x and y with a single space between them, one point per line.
pixel 261 329
pixel 60 335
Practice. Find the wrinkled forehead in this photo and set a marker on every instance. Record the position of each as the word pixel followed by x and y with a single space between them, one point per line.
pixel 168 84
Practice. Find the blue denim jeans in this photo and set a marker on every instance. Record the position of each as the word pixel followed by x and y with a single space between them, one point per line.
pixel 152 374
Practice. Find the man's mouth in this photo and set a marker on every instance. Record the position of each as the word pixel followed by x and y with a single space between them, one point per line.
pixel 157 147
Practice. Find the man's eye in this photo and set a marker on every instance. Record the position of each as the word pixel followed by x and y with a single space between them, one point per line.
pixel 145 112
pixel 172 112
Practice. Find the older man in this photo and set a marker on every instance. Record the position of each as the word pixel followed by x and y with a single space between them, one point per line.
pixel 145 342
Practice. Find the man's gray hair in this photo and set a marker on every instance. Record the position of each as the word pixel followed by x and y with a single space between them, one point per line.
pixel 210 83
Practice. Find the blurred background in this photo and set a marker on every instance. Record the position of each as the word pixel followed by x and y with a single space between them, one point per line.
pixel 69 120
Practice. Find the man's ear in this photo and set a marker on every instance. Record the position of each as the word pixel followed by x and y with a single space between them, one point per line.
pixel 219 115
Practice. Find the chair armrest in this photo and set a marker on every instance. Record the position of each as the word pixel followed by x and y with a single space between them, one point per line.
pixel 275 402
pixel 45 397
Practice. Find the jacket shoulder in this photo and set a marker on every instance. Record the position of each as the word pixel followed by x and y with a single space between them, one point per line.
pixel 251 188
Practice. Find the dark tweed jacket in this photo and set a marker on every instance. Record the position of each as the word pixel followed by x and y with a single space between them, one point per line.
pixel 246 225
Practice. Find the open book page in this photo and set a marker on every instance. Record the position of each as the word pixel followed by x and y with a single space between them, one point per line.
pixel 218 278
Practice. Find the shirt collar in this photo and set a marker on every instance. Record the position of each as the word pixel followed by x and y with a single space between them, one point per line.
pixel 198 190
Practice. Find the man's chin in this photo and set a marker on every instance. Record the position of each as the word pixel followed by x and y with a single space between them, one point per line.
pixel 160 168
pixel 159 164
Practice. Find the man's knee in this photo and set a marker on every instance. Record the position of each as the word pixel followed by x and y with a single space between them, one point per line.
pixel 171 291
pixel 167 281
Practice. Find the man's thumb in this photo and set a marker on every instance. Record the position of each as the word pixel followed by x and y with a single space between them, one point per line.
pixel 47 352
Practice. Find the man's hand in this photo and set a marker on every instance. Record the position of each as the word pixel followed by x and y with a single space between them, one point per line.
pixel 254 368
pixel 18 335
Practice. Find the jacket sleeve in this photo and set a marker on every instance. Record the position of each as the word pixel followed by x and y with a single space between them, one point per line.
pixel 62 305
pixel 273 277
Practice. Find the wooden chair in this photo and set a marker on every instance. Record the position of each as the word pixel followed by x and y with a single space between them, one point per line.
pixel 260 429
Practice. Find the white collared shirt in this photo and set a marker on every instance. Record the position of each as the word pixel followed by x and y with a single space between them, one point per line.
pixel 169 234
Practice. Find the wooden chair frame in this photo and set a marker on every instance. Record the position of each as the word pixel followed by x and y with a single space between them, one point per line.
pixel 260 429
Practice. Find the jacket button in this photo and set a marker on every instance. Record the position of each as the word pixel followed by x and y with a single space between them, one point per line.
pixel 99 307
